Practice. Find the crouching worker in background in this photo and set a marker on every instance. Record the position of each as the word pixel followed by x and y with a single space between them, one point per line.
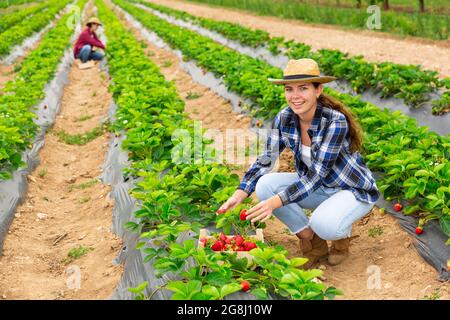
pixel 87 44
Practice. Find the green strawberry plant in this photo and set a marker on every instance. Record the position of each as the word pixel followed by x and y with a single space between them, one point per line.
pixel 443 104
pixel 232 220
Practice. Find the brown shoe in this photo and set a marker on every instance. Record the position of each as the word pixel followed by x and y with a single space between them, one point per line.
pixel 319 252
pixel 339 251
pixel 305 246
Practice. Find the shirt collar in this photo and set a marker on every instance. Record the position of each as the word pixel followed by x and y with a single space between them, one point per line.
pixel 315 123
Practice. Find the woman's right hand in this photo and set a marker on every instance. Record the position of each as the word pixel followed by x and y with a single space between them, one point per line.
pixel 237 197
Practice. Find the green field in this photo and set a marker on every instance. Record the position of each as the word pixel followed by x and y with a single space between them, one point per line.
pixel 437 6
pixel 425 25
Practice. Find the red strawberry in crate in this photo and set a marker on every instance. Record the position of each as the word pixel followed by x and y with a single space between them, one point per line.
pixel 223 237
pixel 419 230
pixel 217 246
pixel 249 246
pixel 239 240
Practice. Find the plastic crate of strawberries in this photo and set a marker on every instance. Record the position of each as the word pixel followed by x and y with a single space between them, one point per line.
pixel 245 238
pixel 222 242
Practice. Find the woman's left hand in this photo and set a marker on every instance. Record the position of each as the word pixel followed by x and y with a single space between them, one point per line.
pixel 263 210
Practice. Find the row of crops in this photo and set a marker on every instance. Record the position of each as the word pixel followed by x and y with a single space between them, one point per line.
pixel 11 19
pixel 27 88
pixel 7 3
pixel 19 31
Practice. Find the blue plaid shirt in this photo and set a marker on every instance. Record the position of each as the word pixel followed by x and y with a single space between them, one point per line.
pixel 332 163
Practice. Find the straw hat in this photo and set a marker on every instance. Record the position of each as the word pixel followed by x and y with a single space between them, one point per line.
pixel 302 70
pixel 93 20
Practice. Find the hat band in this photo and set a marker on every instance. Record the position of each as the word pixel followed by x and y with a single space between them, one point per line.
pixel 299 76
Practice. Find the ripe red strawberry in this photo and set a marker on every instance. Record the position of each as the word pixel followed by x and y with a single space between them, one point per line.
pixel 228 241
pixel 243 215
pixel 203 240
pixel 223 237
pixel 398 207
pixel 245 285
pixel 249 246
pixel 419 230
pixel 239 240
pixel 217 246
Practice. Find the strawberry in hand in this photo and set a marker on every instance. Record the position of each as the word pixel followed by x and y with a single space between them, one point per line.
pixel 243 215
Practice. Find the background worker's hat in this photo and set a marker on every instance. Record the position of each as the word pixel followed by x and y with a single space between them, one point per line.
pixel 93 20
pixel 302 70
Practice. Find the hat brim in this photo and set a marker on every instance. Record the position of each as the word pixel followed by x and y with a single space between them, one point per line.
pixel 87 24
pixel 323 79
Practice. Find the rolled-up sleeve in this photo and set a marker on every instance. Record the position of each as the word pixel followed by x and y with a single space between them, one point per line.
pixel 321 164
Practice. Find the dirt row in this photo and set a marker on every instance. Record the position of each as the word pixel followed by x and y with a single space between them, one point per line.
pixel 67 209
pixel 374 46
pixel 404 274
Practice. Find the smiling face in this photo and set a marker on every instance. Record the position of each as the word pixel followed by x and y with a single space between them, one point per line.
pixel 302 97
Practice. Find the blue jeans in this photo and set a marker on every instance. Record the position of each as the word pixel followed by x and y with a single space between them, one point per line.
pixel 86 54
pixel 335 210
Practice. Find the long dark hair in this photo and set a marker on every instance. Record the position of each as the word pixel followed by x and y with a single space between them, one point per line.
pixel 355 130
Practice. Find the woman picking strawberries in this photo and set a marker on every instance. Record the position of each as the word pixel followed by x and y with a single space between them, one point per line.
pixel 331 177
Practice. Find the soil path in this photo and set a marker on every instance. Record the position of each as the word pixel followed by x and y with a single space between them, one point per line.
pixel 375 47
pixel 6 74
pixel 66 207
pixel 404 274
